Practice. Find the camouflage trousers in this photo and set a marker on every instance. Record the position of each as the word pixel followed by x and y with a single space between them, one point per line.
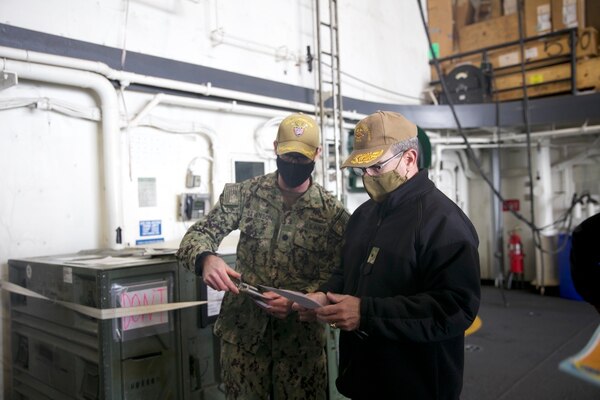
pixel 265 375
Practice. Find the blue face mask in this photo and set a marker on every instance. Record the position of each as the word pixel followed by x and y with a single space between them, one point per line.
pixel 294 174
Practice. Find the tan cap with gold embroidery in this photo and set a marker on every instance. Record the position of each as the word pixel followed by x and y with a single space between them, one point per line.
pixel 298 133
pixel 373 136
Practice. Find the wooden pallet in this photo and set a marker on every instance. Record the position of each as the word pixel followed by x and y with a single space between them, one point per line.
pixel 548 80
pixel 537 53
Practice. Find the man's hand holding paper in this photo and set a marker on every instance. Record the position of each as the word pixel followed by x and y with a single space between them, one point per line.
pixel 279 306
pixel 309 314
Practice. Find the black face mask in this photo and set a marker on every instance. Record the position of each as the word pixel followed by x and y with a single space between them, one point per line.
pixel 294 174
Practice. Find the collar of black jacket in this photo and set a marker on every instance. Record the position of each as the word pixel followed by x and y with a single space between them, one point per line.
pixel 409 191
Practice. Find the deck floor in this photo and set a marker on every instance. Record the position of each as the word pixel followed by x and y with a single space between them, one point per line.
pixel 516 352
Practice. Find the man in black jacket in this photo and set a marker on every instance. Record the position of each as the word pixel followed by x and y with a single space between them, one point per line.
pixel 408 286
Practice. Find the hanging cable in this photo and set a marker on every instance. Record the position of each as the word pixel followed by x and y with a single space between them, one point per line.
pixel 536 231
pixel 382 88
pixel 375 86
pixel 469 150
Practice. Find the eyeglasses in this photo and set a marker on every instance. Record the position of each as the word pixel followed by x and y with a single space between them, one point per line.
pixel 375 168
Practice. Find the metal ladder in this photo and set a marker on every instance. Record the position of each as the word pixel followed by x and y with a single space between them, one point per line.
pixel 329 91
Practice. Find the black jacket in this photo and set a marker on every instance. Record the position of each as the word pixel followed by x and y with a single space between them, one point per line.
pixel 413 262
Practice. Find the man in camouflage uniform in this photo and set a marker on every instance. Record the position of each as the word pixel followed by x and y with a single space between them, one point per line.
pixel 291 233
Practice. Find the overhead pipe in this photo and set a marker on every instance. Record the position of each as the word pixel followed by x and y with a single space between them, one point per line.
pixel 261 150
pixel 109 125
pixel 497 247
pixel 114 207
pixel 145 111
pixel 439 148
pixel 579 158
pixel 128 78
pixel 209 134
pixel 583 130
pixel 93 75
pixel 48 104
pixel 208 90
pixel 456 140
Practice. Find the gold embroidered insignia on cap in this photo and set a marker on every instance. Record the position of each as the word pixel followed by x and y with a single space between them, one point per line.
pixel 298 126
pixel 366 157
pixel 360 132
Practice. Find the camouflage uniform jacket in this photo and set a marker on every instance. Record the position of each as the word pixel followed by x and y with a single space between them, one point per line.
pixel 293 249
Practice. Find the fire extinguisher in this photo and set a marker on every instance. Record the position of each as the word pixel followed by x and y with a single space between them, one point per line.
pixel 516 255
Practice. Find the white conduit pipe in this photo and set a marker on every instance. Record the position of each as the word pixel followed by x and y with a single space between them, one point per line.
pixel 456 140
pixel 439 148
pixel 110 130
pixel 50 104
pixel 542 188
pixel 580 158
pixel 211 136
pixel 90 69
pixel 146 110
pixel 584 130
pixel 209 90
pixel 480 146
pixel 263 151
pixel 129 78
pixel 233 106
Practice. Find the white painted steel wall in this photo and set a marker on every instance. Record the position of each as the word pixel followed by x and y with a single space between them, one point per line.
pixel 382 42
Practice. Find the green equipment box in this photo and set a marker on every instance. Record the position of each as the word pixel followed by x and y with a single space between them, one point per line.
pixel 58 353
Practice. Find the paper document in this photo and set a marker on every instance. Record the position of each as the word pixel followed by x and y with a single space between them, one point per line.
pixel 109 260
pixel 294 296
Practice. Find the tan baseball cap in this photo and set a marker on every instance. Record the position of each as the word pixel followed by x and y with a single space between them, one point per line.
pixel 375 134
pixel 298 133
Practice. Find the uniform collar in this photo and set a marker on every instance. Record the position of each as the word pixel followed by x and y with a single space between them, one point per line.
pixel 269 191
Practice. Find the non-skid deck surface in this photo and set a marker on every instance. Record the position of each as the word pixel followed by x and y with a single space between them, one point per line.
pixel 516 352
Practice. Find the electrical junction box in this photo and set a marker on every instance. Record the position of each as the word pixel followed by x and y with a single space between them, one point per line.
pixel 194 205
